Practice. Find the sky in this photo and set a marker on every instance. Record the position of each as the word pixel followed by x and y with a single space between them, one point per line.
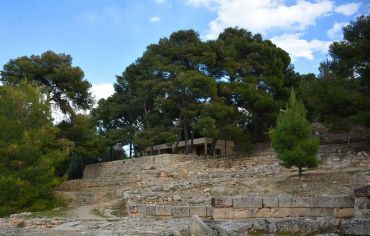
pixel 105 36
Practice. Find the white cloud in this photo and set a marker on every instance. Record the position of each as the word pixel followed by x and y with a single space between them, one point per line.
pixel 335 32
pixel 101 91
pixel 261 16
pixel 154 19
pixel 298 47
pixel 348 9
pixel 160 1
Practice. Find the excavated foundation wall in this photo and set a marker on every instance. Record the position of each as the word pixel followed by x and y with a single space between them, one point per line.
pixel 244 207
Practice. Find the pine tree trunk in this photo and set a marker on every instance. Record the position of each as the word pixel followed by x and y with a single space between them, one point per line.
pixel 192 141
pixel 130 149
pixel 186 137
pixel 225 148
pixel 299 171
pixel 211 150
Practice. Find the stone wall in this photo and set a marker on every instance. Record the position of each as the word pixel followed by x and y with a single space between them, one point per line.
pixel 244 207
pixel 331 156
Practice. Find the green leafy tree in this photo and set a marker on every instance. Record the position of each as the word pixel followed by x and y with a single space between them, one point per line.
pixel 350 57
pixel 59 79
pixel 88 146
pixel 340 96
pixel 29 150
pixel 292 138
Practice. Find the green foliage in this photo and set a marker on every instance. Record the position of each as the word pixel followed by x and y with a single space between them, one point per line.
pixel 29 150
pixel 292 138
pixel 340 95
pixel 88 146
pixel 60 80
pixel 350 57
pixel 336 102
pixel 182 88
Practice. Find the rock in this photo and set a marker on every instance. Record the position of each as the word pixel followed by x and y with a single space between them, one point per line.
pixel 157 188
pixel 19 222
pixel 198 228
pixel 71 224
pixel 304 185
pixel 363 191
pixel 177 198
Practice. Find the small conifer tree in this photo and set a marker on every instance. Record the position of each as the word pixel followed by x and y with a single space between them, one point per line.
pixel 292 138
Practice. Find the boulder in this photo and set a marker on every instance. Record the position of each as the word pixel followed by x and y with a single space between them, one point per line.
pixel 198 228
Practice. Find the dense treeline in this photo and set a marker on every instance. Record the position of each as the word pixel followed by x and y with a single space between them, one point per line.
pixel 231 88
pixel 181 88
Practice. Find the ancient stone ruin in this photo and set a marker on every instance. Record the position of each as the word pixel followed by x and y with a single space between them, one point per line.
pixel 192 195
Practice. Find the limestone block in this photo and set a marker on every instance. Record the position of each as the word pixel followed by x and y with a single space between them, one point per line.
pixel 200 211
pixel 198 228
pixel 264 212
pixel 150 210
pixel 163 210
pixel 209 211
pixel 345 212
pixel 270 201
pixel 297 212
pixel 247 202
pixel 355 227
pixel 222 202
pixel 344 202
pixel 285 201
pixel 240 213
pixel 180 211
pixel 222 213
pixel 361 203
pixel 280 212
pixel 141 208
pixel 301 202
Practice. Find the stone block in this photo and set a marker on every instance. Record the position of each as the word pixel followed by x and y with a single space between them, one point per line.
pixel 280 212
pixel 150 210
pixel 241 213
pixel 222 213
pixel 222 202
pixel 141 208
pixel 270 201
pixel 200 211
pixel 247 202
pixel 180 211
pixel 361 203
pixel 343 202
pixel 264 212
pixel 285 201
pixel 209 210
pixel 146 210
pixel 163 210
pixel 345 212
pixel 301 202
pixel 355 227
pixel 298 212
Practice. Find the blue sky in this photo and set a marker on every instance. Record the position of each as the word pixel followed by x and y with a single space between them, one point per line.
pixel 104 36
